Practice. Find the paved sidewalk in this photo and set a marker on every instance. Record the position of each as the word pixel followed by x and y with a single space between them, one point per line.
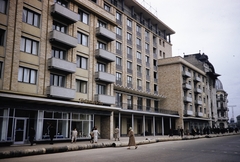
pixel 27 150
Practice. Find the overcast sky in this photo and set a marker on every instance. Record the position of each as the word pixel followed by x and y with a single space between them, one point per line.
pixel 209 26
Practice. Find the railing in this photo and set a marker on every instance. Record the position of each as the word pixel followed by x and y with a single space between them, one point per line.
pixel 126 106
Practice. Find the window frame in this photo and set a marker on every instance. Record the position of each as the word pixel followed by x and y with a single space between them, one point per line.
pixel 31 20
pixel 27 78
pixel 82 38
pixel 81 86
pixel 82 62
pixel 24 48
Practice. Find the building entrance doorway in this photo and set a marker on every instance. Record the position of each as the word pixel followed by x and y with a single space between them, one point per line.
pixel 19 130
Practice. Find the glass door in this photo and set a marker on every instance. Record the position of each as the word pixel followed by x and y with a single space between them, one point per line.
pixel 20 130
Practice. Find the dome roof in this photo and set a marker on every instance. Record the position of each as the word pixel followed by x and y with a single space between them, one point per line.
pixel 218 84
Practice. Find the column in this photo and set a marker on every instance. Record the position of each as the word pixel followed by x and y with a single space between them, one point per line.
pixel 154 126
pixel 133 122
pixel 119 124
pixel 170 123
pixel 144 125
pixel 162 126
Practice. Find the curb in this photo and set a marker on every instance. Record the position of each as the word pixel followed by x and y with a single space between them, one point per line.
pixel 39 151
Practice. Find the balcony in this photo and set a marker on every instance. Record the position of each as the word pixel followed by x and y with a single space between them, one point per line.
pixel 198 102
pixel 63 14
pixel 60 92
pixel 198 79
pixel 199 114
pixel 105 99
pixel 105 77
pixel 198 90
pixel 63 65
pixel 105 34
pixel 222 118
pixel 62 39
pixel 187 99
pixel 105 55
pixel 187 86
pixel 186 74
pixel 189 112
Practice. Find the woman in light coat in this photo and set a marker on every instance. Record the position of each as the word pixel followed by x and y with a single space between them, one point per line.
pixel 74 135
pixel 131 141
pixel 95 133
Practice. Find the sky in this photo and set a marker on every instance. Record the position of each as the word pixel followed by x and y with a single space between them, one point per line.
pixel 206 26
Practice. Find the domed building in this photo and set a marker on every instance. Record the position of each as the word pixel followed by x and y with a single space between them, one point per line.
pixel 222 109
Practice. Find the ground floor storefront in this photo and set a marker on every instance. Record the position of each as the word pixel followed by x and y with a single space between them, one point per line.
pixel 196 126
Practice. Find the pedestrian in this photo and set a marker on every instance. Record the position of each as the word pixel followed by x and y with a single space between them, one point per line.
pixel 31 135
pixel 92 136
pixel 95 133
pixel 51 134
pixel 116 133
pixel 181 132
pixel 74 135
pixel 131 141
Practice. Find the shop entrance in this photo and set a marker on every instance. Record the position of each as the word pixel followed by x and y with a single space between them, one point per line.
pixel 19 130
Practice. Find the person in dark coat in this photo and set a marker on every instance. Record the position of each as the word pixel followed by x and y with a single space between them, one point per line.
pixel 181 132
pixel 51 134
pixel 131 141
pixel 31 135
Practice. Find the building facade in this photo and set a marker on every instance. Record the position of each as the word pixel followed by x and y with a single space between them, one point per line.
pixel 222 108
pixel 80 64
pixel 189 86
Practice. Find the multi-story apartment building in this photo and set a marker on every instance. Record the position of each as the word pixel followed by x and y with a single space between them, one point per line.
pixel 80 64
pixel 222 108
pixel 189 85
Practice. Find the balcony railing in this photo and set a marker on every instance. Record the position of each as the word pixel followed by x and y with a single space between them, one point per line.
pixel 63 39
pixel 105 34
pixel 187 86
pixel 60 92
pixel 64 14
pixel 105 99
pixel 103 76
pixel 187 99
pixel 63 65
pixel 126 106
pixel 186 73
pixel 105 55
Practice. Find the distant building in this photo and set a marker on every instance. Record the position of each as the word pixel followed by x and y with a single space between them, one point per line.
pixel 222 109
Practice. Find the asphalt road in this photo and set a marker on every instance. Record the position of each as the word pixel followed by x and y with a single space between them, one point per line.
pixel 220 149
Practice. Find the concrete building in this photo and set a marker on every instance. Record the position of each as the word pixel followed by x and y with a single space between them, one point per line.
pixel 189 86
pixel 80 64
pixel 222 108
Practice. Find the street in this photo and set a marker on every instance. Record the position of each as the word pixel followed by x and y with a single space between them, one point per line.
pixel 220 149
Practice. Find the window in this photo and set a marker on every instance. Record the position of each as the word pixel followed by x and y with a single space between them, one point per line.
pixel 139 42
pixel 139 102
pixel 129 37
pixel 118 99
pixel 156 104
pixel 101 45
pixel 82 39
pixel 146 34
pixel 29 46
pixel 3 6
pixel 155 88
pixel 147 72
pixel 155 75
pixel 119 46
pixel 81 86
pixel 100 89
pixel 58 53
pixel 62 2
pixel 129 51
pixel 82 62
pixel 148 104
pixel 138 28
pixel 57 80
pixel 27 75
pixel 139 55
pixel 119 76
pixel 147 59
pixel 107 7
pixel 100 67
pixel 147 85
pixel 31 17
pixel 102 24
pixel 119 16
pixel 139 82
pixel 2 36
pixel 146 46
pixel 139 69
pixel 118 31
pixel 118 61
pixel 129 23
pixel 95 1
pixel 129 79
pixel 129 101
pixel 59 27
pixel 129 65
pixel 1 67
pixel 83 17
pixel 154 62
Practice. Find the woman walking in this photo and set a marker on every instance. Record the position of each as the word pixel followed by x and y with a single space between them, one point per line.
pixel 131 141
pixel 95 133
